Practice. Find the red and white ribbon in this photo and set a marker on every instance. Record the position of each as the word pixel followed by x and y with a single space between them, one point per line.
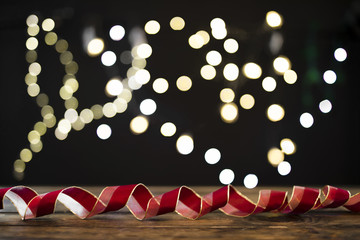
pixel 183 200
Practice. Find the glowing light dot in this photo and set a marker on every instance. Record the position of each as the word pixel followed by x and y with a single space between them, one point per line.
pixel 229 112
pixel 26 155
pixel 160 85
pixel 204 35
pixel 340 54
pixel 121 105
pixel 281 64
pixel 226 176
pixel 147 106
pixel 142 76
pixel 103 131
pixel 64 126
pixel 183 83
pixel 86 115
pixel 231 72
pixel 108 58
pixel 251 181
pixel 34 68
pixel 231 45
pixel 109 110
pixel 95 47
pixel 114 87
pixel 152 27
pixel 185 144
pixel 19 166
pixel 273 19
pixel 48 24
pixel 275 156
pixel 325 106
pixel 177 23
pixel 219 33
pixel 269 84
pixel 252 70
pixel 34 137
pixel 212 156
pixel 275 113
pixel 71 115
pixel 227 95
pixel 287 146
pixel 60 135
pixel 329 77
pixel 196 41
pixel 284 168
pixel 306 120
pixel 33 90
pixel 117 32
pixel 139 125
pixel 168 129
pixel 144 50
pixel 208 72
pixel 217 23
pixel 32 20
pixel 31 43
pixel 247 101
pixel 290 76
pixel 213 58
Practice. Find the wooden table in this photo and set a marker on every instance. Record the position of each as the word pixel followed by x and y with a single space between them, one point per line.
pixel 320 224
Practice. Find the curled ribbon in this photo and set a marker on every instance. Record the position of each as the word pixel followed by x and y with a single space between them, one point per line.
pixel 183 200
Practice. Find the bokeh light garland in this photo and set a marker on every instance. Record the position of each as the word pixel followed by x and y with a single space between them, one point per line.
pixel 137 76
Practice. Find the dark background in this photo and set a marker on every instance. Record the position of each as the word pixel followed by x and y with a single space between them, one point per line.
pixel 327 153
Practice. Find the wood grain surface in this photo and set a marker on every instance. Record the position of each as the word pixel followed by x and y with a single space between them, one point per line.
pixel 319 224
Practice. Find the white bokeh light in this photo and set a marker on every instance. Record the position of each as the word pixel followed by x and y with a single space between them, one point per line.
pixel 306 120
pixel 185 144
pixel 269 84
pixel 108 58
pixel 340 54
pixel 226 176
pixel 117 33
pixel 103 131
pixel 251 181
pixel 284 168
pixel 147 106
pixel 212 156
pixel 329 77
pixel 114 87
pixel 325 106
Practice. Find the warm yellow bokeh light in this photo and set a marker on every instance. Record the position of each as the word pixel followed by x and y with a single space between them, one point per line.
pixel 204 35
pixel 183 83
pixel 32 20
pixel 139 125
pixel 66 92
pixel 34 137
pixel 252 70
pixel 97 111
pixel 40 127
pixel 168 129
pixel 86 115
pixel 231 72
pixel 48 24
pixel 31 56
pixel 144 50
pixel 281 64
pixel 247 101
pixel 290 76
pixel 227 95
pixel 213 58
pixel 64 126
pixel 61 46
pixel 31 43
pixel 33 90
pixel 275 156
pixel 287 146
pixel 196 41
pixel 120 104
pixel 26 155
pixel 274 19
pixel 19 166
pixel 109 110
pixel 208 72
pixel 51 38
pixel 231 45
pixel 152 27
pixel 275 113
pixel 71 103
pixel 177 23
pixel 33 30
pixel 95 47
pixel 160 85
pixel 36 147
pixel 229 112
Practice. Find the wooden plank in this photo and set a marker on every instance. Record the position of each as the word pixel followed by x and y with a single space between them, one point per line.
pixel 329 224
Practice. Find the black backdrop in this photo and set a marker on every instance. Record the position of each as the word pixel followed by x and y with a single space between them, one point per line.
pixel 326 153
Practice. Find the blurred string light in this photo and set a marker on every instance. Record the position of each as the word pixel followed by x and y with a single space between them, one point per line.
pixel 329 77
pixel 306 120
pixel 138 76
pixel 103 131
